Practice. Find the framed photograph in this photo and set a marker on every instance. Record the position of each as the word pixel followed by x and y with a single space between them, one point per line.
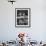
pixel 22 17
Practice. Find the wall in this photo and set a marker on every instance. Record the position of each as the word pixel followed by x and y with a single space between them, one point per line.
pixel 8 31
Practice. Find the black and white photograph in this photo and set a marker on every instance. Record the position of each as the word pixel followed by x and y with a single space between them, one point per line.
pixel 22 17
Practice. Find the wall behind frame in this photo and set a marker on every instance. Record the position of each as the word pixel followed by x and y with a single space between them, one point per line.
pixel 8 30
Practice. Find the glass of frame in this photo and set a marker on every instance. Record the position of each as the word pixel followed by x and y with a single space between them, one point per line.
pixel 22 17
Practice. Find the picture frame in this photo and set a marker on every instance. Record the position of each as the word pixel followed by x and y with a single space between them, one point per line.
pixel 22 17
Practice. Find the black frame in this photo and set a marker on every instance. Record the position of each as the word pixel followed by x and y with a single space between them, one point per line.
pixel 18 10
